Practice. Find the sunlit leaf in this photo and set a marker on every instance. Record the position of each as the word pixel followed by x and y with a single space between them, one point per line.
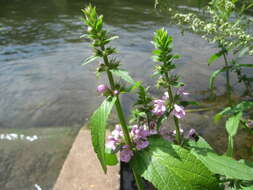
pixel 222 165
pixel 124 75
pixel 171 167
pixel 98 126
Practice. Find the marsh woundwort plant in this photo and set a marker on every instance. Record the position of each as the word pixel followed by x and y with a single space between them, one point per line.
pixel 167 159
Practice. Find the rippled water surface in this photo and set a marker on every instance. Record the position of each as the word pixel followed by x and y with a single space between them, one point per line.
pixel 45 91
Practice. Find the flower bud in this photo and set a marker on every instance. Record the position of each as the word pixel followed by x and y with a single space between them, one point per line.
pixel 102 88
pixel 193 135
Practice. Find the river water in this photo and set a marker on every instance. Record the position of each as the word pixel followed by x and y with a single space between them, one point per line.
pixel 44 90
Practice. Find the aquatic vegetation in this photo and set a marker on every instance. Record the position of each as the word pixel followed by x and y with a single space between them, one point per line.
pixel 226 26
pixel 167 159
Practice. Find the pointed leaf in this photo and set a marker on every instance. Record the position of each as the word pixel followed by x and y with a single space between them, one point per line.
pixel 124 75
pixel 89 60
pixel 222 165
pixel 214 57
pixel 213 77
pixel 98 126
pixel 232 125
pixel 171 167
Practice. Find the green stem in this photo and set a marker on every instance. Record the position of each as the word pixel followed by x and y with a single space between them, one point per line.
pixel 138 180
pixel 178 135
pixel 121 119
pixel 228 86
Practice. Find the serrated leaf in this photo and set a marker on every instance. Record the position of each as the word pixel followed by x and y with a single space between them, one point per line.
pixel 217 164
pixel 232 125
pixel 98 126
pixel 171 167
pixel 89 60
pixel 124 75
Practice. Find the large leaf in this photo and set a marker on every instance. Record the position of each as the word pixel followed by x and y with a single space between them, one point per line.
pixel 222 165
pixel 98 127
pixel 232 125
pixel 124 75
pixel 171 167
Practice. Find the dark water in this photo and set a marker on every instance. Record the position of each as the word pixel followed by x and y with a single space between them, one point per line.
pixel 42 82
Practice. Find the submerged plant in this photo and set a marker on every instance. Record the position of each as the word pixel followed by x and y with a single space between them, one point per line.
pixel 167 159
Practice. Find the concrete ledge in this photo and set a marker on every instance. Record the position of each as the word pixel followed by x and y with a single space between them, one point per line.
pixel 82 171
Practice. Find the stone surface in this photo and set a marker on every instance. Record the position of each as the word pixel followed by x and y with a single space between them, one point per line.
pixel 82 171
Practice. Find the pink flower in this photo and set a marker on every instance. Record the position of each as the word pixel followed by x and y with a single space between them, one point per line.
pixel 159 107
pixel 141 144
pixel 181 91
pixel 126 154
pixel 102 88
pixel 115 139
pixel 138 132
pixel 111 143
pixel 193 135
pixel 117 132
pixel 178 111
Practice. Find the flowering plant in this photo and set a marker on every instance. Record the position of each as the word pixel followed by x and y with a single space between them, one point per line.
pixel 167 159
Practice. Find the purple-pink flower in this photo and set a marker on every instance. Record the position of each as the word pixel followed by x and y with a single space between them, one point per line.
pixel 102 88
pixel 126 153
pixel 159 107
pixel 193 135
pixel 141 144
pixel 111 143
pixel 181 91
pixel 178 111
pixel 138 132
pixel 115 139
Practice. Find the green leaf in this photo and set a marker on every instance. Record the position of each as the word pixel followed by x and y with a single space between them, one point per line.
pixel 214 57
pixel 241 107
pixel 112 38
pixel 171 167
pixel 247 188
pixel 89 60
pixel 213 77
pixel 246 65
pixel 222 165
pixel 124 75
pixel 232 125
pixel 98 126
pixel 111 159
